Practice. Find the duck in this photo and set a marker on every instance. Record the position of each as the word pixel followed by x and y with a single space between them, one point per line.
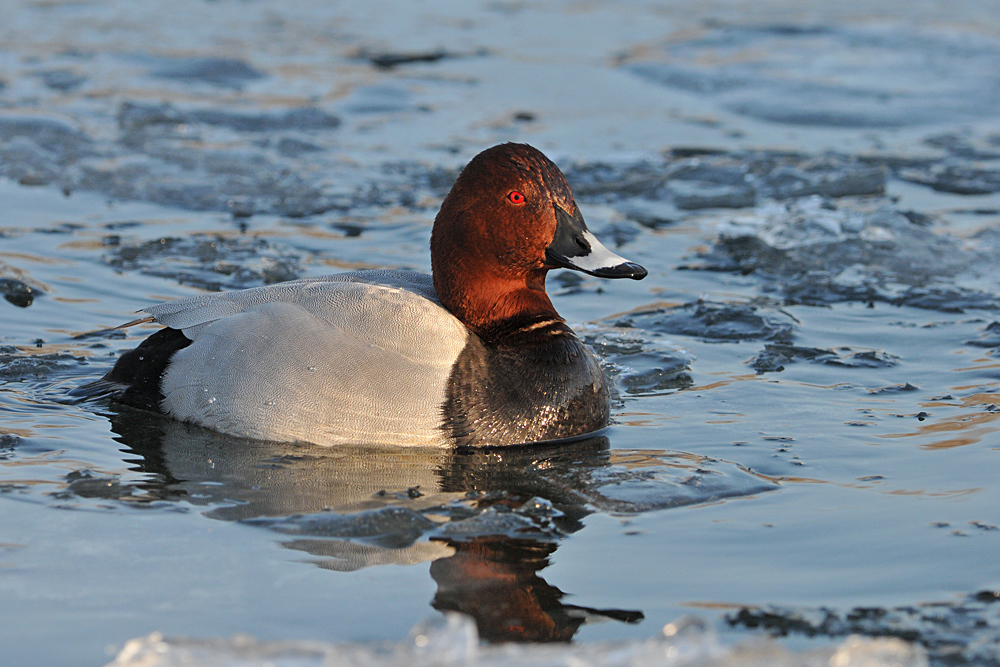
pixel 473 355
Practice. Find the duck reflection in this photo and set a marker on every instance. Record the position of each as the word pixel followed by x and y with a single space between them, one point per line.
pixel 488 520
pixel 495 580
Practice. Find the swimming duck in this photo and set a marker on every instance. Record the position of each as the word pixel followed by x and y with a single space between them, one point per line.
pixel 474 356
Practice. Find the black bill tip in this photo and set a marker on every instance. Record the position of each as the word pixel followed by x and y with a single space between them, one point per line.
pixel 626 270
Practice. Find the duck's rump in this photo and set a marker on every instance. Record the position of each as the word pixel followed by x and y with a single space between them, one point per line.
pixel 368 357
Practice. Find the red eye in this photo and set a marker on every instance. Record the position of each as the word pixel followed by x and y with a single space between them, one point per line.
pixel 516 197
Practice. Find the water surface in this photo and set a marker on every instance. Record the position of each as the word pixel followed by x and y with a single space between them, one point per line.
pixel 806 406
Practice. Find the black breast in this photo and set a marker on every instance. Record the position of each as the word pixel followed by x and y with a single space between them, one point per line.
pixel 543 384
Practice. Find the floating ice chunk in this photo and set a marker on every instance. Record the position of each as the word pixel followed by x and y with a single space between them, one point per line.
pixel 694 195
pixel 641 363
pixel 396 527
pixel 208 261
pixel 857 651
pixel 449 639
pixel 140 117
pixel 16 366
pixel 453 640
pixel 989 338
pixel 957 179
pixel 713 321
pixel 52 135
pixel 500 521
pixel 18 292
pixel 815 253
pixel 875 233
pixel 775 356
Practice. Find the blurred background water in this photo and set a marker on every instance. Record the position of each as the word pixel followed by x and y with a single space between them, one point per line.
pixel 806 411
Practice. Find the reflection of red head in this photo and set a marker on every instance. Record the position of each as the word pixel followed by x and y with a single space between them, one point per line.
pixel 494 580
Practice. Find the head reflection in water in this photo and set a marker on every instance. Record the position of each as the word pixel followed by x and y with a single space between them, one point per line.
pixel 475 515
pixel 495 580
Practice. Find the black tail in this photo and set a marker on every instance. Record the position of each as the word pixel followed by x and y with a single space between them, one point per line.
pixel 135 379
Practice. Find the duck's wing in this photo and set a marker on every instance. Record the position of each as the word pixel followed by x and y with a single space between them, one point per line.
pixel 194 312
pixel 349 358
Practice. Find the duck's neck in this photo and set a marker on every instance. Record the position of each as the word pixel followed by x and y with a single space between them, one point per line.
pixel 497 308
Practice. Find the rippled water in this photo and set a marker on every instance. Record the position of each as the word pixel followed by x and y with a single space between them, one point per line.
pixel 807 385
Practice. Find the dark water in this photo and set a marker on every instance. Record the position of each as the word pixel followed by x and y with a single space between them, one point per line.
pixel 806 406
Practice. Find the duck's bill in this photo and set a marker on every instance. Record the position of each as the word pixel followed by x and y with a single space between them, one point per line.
pixel 574 247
